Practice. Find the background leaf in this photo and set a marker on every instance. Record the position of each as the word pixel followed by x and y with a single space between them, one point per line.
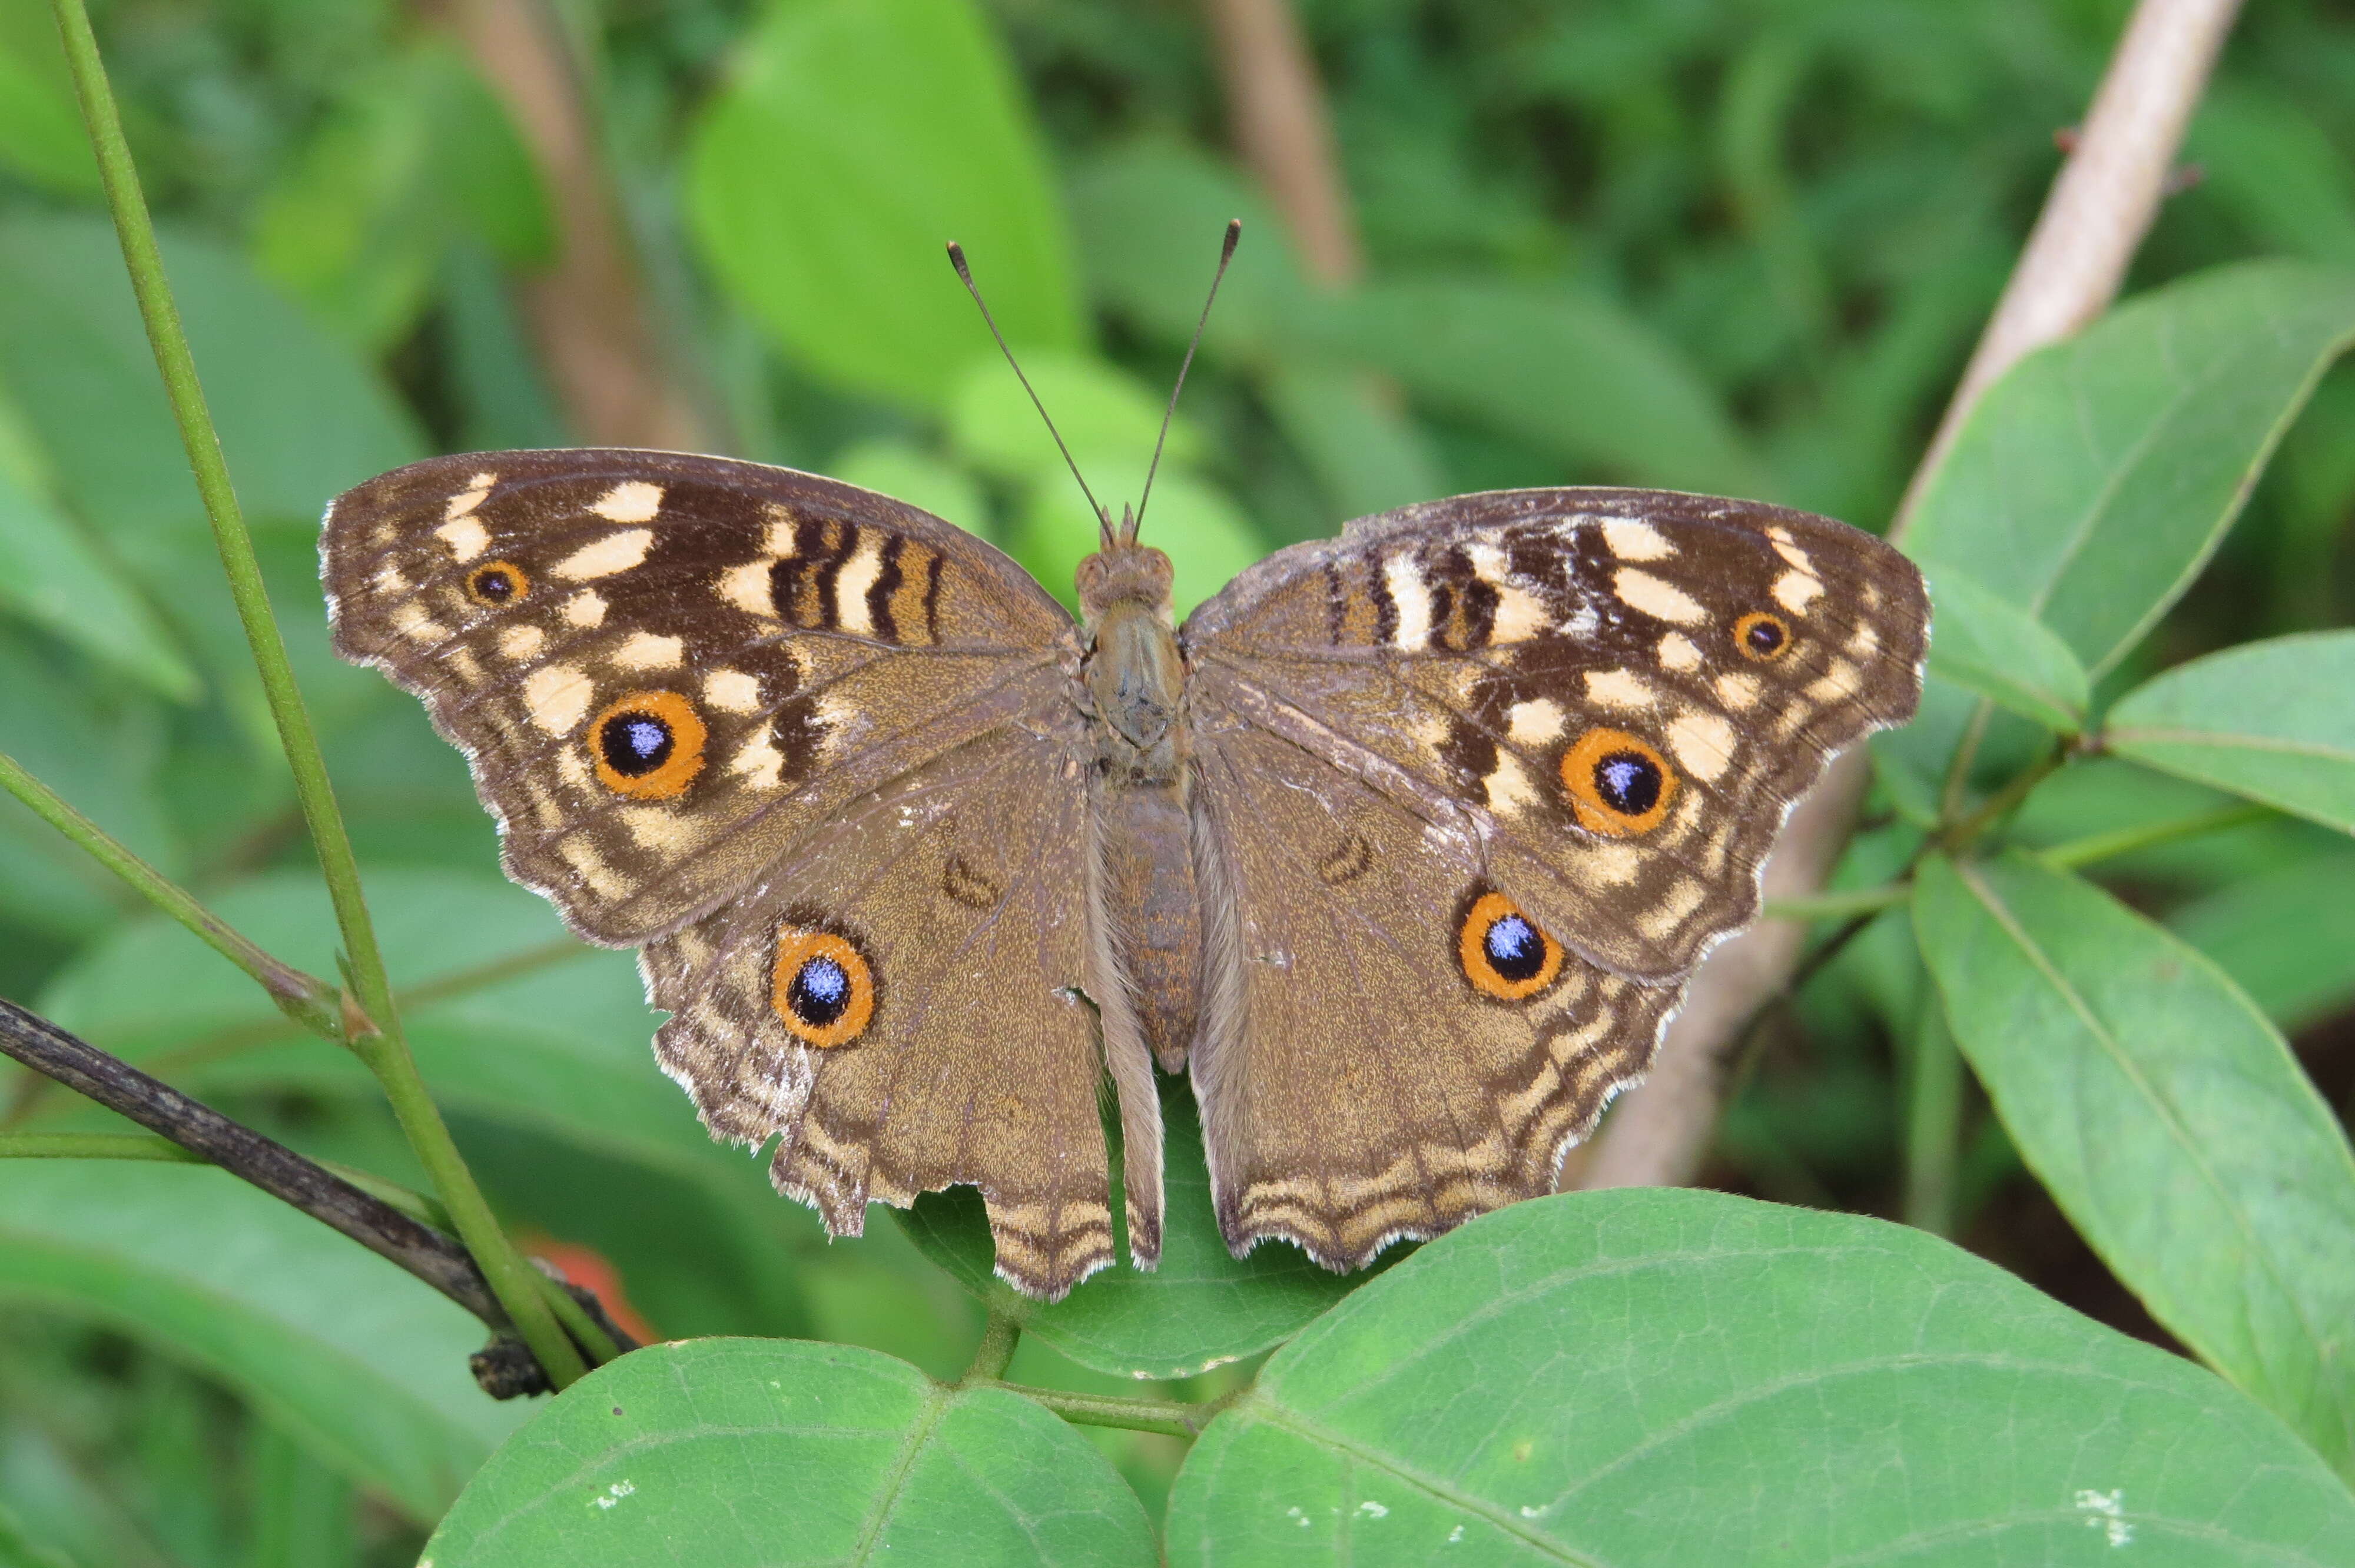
pixel 1662 1376
pixel 2169 1121
pixel 1982 641
pixel 2272 720
pixel 728 1452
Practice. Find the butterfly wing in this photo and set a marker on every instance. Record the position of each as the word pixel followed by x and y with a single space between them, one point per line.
pixel 814 750
pixel 1584 711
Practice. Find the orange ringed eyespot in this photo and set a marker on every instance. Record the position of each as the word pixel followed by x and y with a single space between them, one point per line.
pixel 1762 636
pixel 821 987
pixel 648 746
pixel 495 584
pixel 1502 951
pixel 1618 783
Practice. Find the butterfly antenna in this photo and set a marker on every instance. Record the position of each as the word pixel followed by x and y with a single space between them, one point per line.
pixel 1225 254
pixel 965 274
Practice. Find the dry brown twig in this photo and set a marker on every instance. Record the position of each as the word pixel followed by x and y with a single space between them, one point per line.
pixel 1276 113
pixel 2100 207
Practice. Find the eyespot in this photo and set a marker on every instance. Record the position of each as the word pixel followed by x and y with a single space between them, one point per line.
pixel 822 987
pixel 1762 636
pixel 1619 784
pixel 1502 951
pixel 495 584
pixel 648 745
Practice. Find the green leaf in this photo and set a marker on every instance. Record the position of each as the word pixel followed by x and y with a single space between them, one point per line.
pixel 1984 642
pixel 853 140
pixel 2169 1121
pixel 2271 720
pixel 2286 936
pixel 362 1363
pixel 1104 413
pixel 300 417
pixel 2091 483
pixel 910 473
pixel 1575 375
pixel 41 134
pixel 1368 454
pixel 1201 1307
pixel 1663 1376
pixel 1206 534
pixel 743 1452
pixel 53 576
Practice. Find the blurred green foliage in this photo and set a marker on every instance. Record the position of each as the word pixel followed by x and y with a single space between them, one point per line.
pixel 1740 245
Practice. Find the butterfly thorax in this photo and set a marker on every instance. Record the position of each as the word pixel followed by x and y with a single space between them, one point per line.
pixel 1135 681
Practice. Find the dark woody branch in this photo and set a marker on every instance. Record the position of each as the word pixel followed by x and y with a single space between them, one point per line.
pixel 505 1368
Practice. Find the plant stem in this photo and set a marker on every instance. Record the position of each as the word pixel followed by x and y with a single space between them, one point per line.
pixel 1933 1123
pixel 2126 840
pixel 995 1353
pixel 1840 906
pixel 306 999
pixel 95 1146
pixel 374 1034
pixel 1168 1416
pixel 1955 839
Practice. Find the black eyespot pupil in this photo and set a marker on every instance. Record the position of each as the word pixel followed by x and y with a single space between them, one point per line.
pixel 634 744
pixel 1515 949
pixel 1629 784
pixel 1765 637
pixel 495 586
pixel 820 993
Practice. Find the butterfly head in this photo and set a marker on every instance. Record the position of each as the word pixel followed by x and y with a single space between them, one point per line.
pixel 1123 573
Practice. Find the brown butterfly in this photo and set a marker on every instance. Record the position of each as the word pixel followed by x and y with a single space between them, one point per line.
pixel 1404 845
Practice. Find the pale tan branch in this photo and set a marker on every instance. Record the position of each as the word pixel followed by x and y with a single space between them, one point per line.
pixel 587 311
pixel 1275 108
pixel 2099 208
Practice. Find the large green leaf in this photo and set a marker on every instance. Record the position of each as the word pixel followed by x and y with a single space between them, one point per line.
pixel 2273 720
pixel 2169 1121
pixel 362 1363
pixel 750 1452
pixel 53 576
pixel 1200 1308
pixel 1678 1377
pixel 2286 936
pixel 1991 646
pixel 853 140
pixel 2091 484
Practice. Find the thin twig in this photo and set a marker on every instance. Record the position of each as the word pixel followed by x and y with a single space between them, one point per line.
pixel 373 1028
pixel 2096 214
pixel 1170 1417
pixel 1276 110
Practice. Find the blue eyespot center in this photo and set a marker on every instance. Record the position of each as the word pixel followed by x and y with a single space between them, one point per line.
pixel 820 993
pixel 1628 783
pixel 1514 948
pixel 634 744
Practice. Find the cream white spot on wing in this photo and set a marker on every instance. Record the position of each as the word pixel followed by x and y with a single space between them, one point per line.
pixel 750 588
pixel 1797 591
pixel 1408 592
pixel 1634 540
pixel 463 662
pixel 1611 864
pixel 585 610
pixel 1583 621
pixel 1535 722
pixel 1520 614
pixel 1737 690
pixel 465 536
pixel 521 641
pixel 590 866
pixel 1838 681
pixel 850 585
pixel 603 558
pixel 466 501
pixel 1703 743
pixel 1784 547
pixel 572 768
pixel 649 651
pixel 780 531
pixel 759 760
pixel 662 830
pixel 1641 590
pixel 1510 792
pixel 557 696
pixel 1676 653
pixel 1667 913
pixel 388 580
pixel 1865 642
pixel 1618 689
pixel 732 690
pixel 411 622
pixel 632 501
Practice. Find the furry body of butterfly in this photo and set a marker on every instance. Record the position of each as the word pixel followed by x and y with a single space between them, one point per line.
pixel 1402 846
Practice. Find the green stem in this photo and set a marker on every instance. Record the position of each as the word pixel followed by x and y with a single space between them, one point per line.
pixel 1838 906
pixel 95 1146
pixel 306 999
pixel 577 1322
pixel 1933 1121
pixel 1955 839
pixel 995 1353
pixel 376 1036
pixel 2126 840
pixel 1169 1416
